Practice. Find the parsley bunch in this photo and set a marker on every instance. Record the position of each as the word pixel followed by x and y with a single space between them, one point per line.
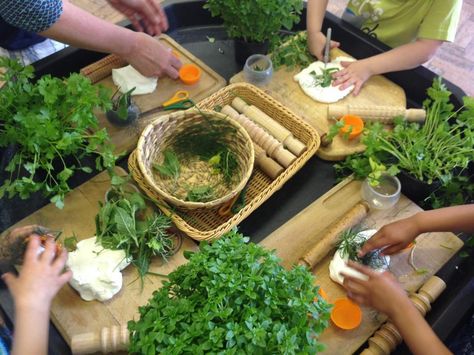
pixel 435 151
pixel 48 121
pixel 293 52
pixel 233 298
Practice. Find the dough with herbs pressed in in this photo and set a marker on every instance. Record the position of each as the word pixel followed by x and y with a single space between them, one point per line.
pixel 128 77
pixel 328 94
pixel 338 263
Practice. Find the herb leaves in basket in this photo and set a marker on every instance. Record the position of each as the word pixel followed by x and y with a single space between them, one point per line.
pixel 124 222
pixel 207 142
pixel 234 298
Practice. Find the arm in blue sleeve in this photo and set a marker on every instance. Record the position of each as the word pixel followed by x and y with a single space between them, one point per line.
pixel 31 15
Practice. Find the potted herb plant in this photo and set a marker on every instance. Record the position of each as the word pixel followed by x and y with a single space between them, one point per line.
pixel 124 111
pixel 255 24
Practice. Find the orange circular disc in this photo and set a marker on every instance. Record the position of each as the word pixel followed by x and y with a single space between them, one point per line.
pixel 346 314
pixel 353 124
pixel 189 74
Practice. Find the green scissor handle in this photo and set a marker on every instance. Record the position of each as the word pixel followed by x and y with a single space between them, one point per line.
pixel 181 105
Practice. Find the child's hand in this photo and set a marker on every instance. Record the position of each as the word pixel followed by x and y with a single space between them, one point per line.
pixel 393 237
pixel 316 44
pixel 381 291
pixel 40 278
pixel 354 73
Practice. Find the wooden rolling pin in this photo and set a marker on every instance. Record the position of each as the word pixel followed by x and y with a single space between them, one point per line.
pixel 330 238
pixel 383 114
pixel 273 147
pixel 273 127
pixel 108 340
pixel 386 339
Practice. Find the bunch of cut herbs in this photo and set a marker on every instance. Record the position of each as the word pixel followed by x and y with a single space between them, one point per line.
pixel 292 52
pixel 235 298
pixel 49 122
pixel 439 150
pixel 125 222
pixel 208 142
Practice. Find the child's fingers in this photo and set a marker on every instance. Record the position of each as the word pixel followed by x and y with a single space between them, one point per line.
pixel 347 83
pixel 49 252
pixel 393 249
pixel 357 87
pixel 361 300
pixel 351 284
pixel 377 241
pixel 345 64
pixel 31 253
pixel 362 269
pixel 335 44
pixel 9 280
pixel 60 260
pixel 64 277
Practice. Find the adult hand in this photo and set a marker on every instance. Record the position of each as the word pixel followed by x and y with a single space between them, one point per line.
pixel 380 291
pixel 143 14
pixel 41 276
pixel 393 237
pixel 316 44
pixel 151 58
pixel 354 73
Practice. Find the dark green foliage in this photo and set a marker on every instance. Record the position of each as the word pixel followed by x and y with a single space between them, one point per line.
pixel 437 151
pixel 293 52
pixel 170 167
pixel 232 298
pixel 350 244
pixel 123 223
pixel 48 121
pixel 200 194
pixel 256 20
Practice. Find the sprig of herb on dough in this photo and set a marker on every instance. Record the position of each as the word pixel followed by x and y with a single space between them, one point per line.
pixel 325 78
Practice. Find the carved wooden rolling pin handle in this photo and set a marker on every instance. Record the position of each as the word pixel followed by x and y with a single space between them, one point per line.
pixel 108 340
pixel 386 339
pixel 272 126
pixel 273 147
pixel 377 113
pixel 330 238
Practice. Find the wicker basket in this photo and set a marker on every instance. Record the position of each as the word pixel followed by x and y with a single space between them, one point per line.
pixel 208 225
pixel 162 133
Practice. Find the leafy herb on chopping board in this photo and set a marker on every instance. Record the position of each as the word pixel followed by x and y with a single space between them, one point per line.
pixel 349 245
pixel 293 52
pixel 437 151
pixel 47 121
pixel 123 222
pixel 325 78
pixel 232 297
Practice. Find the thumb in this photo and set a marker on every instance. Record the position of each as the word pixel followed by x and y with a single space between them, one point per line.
pixel 9 279
pixel 335 44
pixel 345 64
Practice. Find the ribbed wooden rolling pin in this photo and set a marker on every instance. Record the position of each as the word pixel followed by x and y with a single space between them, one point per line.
pixel 273 127
pixel 330 238
pixel 273 147
pixel 108 340
pixel 386 339
pixel 383 114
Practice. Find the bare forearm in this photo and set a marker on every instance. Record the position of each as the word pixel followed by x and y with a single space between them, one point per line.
pixel 405 57
pixel 83 30
pixel 31 331
pixel 448 219
pixel 416 333
pixel 315 15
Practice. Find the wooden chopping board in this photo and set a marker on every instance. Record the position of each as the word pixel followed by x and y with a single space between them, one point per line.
pixel 378 90
pixel 69 312
pixel 125 138
pixel 300 233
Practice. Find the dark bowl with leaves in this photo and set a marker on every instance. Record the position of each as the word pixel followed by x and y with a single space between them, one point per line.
pixel 124 111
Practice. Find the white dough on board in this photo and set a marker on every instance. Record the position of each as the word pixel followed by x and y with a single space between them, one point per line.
pixel 96 271
pixel 328 94
pixel 338 263
pixel 128 77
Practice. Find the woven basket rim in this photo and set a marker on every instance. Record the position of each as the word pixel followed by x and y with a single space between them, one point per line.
pixel 191 204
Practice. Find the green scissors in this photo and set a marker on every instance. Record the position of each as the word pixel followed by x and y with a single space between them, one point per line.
pixel 179 101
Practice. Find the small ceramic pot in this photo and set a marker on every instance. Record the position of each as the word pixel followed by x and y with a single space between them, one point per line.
pixel 384 195
pixel 258 69
pixel 133 114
